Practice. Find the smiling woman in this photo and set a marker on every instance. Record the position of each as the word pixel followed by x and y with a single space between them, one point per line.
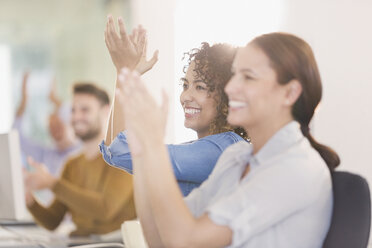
pixel 205 106
pixel 207 73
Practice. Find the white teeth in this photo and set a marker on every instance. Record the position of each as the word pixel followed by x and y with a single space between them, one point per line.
pixel 237 104
pixel 191 111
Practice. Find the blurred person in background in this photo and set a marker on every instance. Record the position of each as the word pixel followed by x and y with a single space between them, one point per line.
pixel 64 140
pixel 98 197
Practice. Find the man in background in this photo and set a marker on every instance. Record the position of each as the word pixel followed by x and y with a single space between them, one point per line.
pixel 64 140
pixel 98 196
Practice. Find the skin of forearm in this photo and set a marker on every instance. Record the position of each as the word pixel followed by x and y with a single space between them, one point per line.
pixel 116 122
pixel 144 210
pixel 174 221
pixel 108 130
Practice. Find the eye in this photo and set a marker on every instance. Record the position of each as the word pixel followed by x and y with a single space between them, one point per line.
pixel 185 85
pixel 199 87
pixel 247 77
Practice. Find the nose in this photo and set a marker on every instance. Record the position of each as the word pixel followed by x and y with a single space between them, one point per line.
pixel 231 86
pixel 75 115
pixel 186 96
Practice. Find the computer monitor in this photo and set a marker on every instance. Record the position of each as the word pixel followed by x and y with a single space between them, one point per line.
pixel 12 199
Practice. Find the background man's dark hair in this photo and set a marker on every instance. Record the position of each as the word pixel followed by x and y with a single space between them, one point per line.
pixel 91 89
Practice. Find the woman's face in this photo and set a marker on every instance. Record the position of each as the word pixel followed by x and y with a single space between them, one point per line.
pixel 198 104
pixel 255 96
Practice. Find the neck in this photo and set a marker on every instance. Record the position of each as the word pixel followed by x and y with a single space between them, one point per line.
pixel 203 133
pixel 260 134
pixel 90 147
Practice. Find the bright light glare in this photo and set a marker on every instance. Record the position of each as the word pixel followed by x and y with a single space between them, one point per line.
pixel 218 21
pixel 5 113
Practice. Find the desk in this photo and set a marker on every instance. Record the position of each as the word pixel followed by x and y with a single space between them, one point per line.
pixel 31 236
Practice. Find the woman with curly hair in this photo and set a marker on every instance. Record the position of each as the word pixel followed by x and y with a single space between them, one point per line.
pixel 203 100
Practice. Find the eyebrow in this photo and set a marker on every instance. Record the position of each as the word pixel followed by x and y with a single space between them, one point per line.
pixel 199 81
pixel 184 79
pixel 244 70
pixel 195 81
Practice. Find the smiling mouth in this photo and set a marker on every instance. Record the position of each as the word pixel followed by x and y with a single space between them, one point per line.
pixel 237 104
pixel 191 111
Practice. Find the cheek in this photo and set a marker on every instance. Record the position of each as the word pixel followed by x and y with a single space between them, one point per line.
pixel 209 108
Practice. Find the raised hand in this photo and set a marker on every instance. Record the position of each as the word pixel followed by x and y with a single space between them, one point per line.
pixel 53 94
pixel 122 51
pixel 143 65
pixel 39 177
pixel 145 119
pixel 22 106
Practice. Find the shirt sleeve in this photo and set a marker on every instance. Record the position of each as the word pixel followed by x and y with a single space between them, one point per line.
pixel 191 162
pixel 118 154
pixel 28 146
pixel 48 217
pixel 249 210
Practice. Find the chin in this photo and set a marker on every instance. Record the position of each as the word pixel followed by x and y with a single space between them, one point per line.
pixel 234 120
pixel 188 124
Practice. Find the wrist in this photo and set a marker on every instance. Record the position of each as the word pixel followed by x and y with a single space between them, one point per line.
pixel 30 200
pixel 51 182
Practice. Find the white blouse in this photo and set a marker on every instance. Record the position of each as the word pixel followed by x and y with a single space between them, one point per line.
pixel 284 201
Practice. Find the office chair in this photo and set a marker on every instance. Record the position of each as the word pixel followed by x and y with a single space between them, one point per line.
pixel 351 217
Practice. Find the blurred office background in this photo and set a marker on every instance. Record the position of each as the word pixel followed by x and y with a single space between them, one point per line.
pixel 65 39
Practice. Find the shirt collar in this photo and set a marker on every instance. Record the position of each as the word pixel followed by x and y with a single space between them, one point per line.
pixel 279 142
pixel 243 152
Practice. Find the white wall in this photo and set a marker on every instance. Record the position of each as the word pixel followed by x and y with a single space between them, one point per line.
pixel 157 17
pixel 340 34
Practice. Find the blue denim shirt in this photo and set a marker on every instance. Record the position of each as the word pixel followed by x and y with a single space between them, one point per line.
pixel 192 161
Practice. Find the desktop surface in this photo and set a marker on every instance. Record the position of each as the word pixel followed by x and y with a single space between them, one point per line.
pixel 30 236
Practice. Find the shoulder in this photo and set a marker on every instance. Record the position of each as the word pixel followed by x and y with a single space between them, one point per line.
pixel 223 140
pixel 236 153
pixel 305 165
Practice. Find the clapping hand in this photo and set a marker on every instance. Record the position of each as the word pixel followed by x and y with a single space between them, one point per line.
pixel 128 50
pixel 143 65
pixel 39 177
pixel 145 119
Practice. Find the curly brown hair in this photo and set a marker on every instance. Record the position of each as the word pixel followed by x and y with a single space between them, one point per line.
pixel 213 67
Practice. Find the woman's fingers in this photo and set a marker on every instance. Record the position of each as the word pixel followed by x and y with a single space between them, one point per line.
pixel 134 36
pixel 142 42
pixel 154 59
pixel 112 34
pixel 123 34
pixel 108 38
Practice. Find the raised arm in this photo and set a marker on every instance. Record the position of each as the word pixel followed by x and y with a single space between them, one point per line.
pixel 153 173
pixel 53 96
pixel 125 51
pixel 24 97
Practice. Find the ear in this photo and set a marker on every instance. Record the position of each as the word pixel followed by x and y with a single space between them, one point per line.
pixel 293 92
pixel 106 110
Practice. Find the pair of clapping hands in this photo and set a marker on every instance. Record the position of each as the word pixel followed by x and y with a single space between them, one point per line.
pixel 145 120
